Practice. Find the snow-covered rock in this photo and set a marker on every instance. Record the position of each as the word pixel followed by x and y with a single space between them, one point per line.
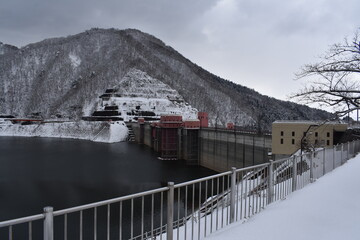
pixel 75 60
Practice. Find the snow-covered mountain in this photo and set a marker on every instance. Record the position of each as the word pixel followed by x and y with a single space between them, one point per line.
pixel 5 48
pixel 64 77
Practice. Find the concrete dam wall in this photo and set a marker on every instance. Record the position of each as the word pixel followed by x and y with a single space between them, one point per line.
pixel 216 149
pixel 222 149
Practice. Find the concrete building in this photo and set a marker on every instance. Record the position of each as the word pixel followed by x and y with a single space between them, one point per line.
pixel 290 136
pixel 166 136
pixel 204 119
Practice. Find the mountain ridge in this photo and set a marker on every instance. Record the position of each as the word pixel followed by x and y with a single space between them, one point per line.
pixel 62 76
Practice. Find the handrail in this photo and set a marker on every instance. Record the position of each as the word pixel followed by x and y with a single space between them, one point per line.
pixel 22 220
pixel 249 132
pixel 219 175
pixel 251 167
pixel 110 201
pixel 201 179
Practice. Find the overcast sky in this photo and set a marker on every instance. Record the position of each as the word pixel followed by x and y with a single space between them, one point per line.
pixel 256 43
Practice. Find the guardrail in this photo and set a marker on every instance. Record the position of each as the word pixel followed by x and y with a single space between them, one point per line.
pixel 238 131
pixel 190 210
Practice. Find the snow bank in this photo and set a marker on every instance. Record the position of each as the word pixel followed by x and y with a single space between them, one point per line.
pixel 327 209
pixel 108 132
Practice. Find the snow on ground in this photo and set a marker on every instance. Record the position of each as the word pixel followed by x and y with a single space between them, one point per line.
pixel 118 132
pixel 327 209
pixel 108 132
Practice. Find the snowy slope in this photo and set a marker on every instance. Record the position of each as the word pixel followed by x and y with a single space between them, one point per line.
pixel 137 91
pixel 327 209
pixel 140 84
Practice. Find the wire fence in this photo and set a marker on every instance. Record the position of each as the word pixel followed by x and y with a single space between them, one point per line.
pixel 190 210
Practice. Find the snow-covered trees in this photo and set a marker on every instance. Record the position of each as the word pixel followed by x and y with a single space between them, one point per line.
pixel 65 76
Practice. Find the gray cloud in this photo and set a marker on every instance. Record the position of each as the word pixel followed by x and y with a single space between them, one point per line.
pixel 42 17
pixel 257 43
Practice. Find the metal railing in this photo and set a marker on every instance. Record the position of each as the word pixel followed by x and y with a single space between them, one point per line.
pixel 239 130
pixel 190 210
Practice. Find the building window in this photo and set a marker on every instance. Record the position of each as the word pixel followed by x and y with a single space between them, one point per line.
pixel 328 142
pixel 316 134
pixel 281 141
pixel 293 134
pixel 282 133
pixel 316 142
pixel 293 141
pixel 328 134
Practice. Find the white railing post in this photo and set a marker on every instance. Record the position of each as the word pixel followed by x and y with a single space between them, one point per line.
pixel 48 223
pixel 353 149
pixel 294 176
pixel 232 194
pixel 334 150
pixel 170 211
pixel 270 182
pixel 324 169
pixel 311 167
pixel 341 155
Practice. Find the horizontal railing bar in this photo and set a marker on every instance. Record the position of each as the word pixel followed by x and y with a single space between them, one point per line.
pixel 252 167
pixel 249 132
pixel 283 160
pixel 21 220
pixel 110 201
pixel 320 149
pixel 306 153
pixel 201 179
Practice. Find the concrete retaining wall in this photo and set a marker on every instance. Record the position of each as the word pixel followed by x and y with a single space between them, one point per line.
pixel 221 149
pixel 147 135
pixel 146 138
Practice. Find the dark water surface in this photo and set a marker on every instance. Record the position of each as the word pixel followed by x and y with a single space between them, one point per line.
pixel 62 173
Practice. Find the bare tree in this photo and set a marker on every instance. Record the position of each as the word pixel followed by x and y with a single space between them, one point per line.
pixel 335 80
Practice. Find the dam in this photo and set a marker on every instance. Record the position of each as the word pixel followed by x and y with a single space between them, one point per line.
pixel 218 149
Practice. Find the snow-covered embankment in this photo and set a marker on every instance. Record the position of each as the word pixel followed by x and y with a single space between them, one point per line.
pixel 327 209
pixel 108 132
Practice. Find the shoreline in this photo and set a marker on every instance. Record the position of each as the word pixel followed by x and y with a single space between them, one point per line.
pixel 106 132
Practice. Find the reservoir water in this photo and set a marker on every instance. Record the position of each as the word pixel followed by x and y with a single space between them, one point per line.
pixel 62 173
